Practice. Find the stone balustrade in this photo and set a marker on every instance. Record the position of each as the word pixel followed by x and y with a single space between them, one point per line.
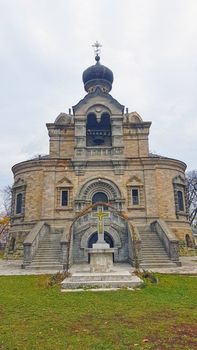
pixel 32 240
pixel 134 245
pixel 169 240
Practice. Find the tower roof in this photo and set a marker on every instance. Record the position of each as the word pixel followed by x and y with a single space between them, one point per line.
pixel 97 75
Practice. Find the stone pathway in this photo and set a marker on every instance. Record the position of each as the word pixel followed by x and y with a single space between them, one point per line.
pixel 13 267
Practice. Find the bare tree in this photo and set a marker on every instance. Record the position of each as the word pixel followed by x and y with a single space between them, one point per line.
pixel 6 193
pixel 191 186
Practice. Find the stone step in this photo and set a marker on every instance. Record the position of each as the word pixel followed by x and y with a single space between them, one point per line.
pixel 40 266
pixel 156 246
pixel 49 245
pixel 157 256
pixel 38 255
pixel 49 250
pixel 52 243
pixel 148 261
pixel 100 277
pixel 49 239
pixel 150 239
pixel 45 258
pixel 46 262
pixel 153 247
pixel 148 234
pixel 157 265
pixel 48 253
pixel 153 240
pixel 131 282
pixel 152 250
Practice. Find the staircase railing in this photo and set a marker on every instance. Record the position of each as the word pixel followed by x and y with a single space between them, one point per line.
pixel 64 243
pixel 30 244
pixel 169 240
pixel 134 241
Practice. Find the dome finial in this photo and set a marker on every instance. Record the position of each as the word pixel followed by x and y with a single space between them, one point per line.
pixel 97 75
pixel 97 50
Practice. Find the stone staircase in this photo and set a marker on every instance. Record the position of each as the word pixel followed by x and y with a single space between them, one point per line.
pixel 153 252
pixel 119 277
pixel 48 253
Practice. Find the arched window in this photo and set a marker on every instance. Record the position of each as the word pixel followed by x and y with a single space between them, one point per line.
pixel 98 132
pixel 180 200
pixel 19 198
pixel 99 197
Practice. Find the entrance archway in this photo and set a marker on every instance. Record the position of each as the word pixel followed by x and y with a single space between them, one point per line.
pixel 95 187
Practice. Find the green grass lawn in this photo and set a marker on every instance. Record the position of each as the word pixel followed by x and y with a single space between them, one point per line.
pixel 160 316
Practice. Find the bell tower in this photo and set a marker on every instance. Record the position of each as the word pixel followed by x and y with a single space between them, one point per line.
pixel 98 119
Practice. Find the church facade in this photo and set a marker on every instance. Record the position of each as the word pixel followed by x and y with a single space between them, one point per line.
pixel 99 158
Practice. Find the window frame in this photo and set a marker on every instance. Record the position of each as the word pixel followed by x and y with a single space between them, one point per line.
pixel 19 187
pixel 16 203
pixel 63 185
pixel 68 197
pixel 138 196
pixel 180 208
pixel 179 185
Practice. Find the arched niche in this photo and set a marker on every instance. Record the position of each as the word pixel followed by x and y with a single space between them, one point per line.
pixel 110 230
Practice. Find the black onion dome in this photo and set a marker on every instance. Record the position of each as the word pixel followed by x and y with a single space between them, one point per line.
pixel 98 75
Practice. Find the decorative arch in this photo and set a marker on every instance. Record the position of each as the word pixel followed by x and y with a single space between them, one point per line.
pixel 134 117
pixel 63 119
pixel 108 187
pixel 98 109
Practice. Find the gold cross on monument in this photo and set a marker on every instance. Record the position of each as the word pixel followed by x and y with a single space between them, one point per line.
pixel 100 215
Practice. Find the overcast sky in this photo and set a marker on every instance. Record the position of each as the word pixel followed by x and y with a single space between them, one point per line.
pixel 45 45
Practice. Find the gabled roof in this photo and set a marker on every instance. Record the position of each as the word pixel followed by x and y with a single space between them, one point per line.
pixel 100 93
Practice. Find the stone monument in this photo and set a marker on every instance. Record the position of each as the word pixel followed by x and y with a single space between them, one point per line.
pixel 101 255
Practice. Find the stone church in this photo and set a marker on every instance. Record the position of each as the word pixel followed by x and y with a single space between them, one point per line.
pixel 98 159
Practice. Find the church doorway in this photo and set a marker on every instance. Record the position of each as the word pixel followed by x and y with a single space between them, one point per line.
pixel 93 239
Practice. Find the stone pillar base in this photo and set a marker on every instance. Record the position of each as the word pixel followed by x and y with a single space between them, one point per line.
pixel 101 258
